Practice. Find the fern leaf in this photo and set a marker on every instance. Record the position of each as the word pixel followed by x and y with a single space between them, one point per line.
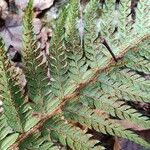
pixel 70 22
pixel 5 129
pixel 65 133
pixel 77 65
pixel 96 52
pixel 8 141
pixel 142 17
pixel 10 92
pixel 58 58
pixel 113 106
pixel 29 120
pixel 35 68
pixel 100 122
pixel 138 63
pixel 39 142
pixel 94 57
pixel 122 91
pixel 132 78
pixel 144 51
pixel 76 58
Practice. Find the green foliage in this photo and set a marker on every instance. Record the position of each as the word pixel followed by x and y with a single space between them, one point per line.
pixel 36 69
pixel 69 135
pixel 10 92
pixel 57 60
pixel 87 89
pixel 99 121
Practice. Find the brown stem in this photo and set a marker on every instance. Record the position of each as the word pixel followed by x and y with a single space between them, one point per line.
pixel 109 49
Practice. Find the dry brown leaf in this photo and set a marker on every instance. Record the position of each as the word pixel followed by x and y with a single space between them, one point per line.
pixel 38 4
pixel 3 9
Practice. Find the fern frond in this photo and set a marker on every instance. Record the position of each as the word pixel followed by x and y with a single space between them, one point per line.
pixel 94 57
pixel 122 91
pixel 8 141
pixel 142 23
pixel 77 64
pixel 100 122
pixel 144 50
pixel 74 48
pixel 138 63
pixel 16 111
pixel 10 92
pixel 111 105
pixel 35 68
pixel 132 78
pixel 58 58
pixel 40 142
pixel 7 135
pixel 97 53
pixel 71 19
pixel 5 129
pixel 28 119
pixel 65 133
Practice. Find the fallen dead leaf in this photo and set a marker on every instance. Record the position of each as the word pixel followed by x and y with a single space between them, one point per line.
pixel 3 9
pixel 37 4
